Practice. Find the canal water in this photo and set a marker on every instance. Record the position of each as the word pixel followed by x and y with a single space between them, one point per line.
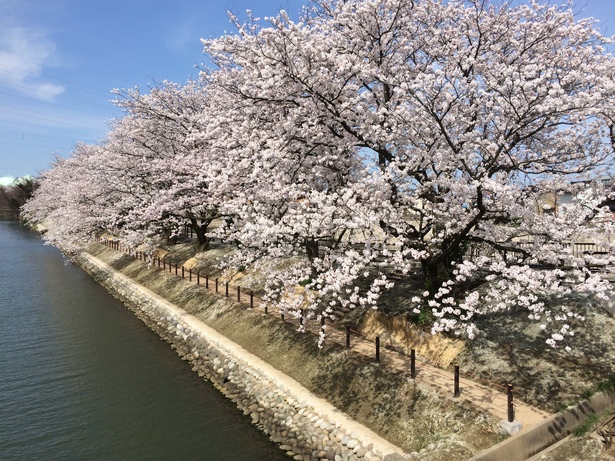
pixel 81 378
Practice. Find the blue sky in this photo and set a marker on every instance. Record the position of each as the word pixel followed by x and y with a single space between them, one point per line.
pixel 60 59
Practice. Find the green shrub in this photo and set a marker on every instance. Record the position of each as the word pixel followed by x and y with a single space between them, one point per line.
pixel 587 425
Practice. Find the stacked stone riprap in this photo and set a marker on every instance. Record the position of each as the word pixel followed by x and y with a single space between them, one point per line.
pixel 303 425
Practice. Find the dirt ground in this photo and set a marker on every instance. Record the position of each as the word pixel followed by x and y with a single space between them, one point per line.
pixel 513 350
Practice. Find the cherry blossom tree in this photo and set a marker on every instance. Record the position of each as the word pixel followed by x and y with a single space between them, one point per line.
pixel 170 175
pixel 370 138
pixel 73 200
pixel 470 114
pixel 150 181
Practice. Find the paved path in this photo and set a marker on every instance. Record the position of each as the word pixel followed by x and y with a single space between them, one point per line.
pixel 492 401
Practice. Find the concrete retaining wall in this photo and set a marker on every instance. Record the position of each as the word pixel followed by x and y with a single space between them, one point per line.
pixel 526 444
pixel 305 426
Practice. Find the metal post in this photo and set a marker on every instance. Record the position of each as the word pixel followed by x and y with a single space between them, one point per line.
pixel 412 363
pixel 198 277
pixel 511 409
pixel 347 336
pixel 206 281
pixel 226 289
pixel 252 301
pixel 176 268
pixel 182 271
pixel 190 275
pixel 456 388
pixel 216 285
pixel 238 294
pixel 377 348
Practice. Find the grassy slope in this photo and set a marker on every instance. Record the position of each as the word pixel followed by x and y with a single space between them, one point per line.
pixel 412 416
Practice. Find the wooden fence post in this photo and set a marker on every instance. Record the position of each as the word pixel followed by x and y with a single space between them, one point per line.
pixel 456 386
pixel 511 409
pixel 347 336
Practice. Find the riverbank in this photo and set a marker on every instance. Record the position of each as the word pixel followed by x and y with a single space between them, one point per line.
pixel 411 416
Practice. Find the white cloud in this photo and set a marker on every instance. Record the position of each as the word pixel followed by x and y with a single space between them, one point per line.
pixel 23 54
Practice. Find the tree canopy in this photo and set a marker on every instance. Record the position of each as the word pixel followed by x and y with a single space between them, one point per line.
pixel 369 140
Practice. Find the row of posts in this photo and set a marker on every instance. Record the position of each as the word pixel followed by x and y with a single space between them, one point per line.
pixel 456 389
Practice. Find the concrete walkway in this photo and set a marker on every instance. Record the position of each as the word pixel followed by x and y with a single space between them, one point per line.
pixel 492 401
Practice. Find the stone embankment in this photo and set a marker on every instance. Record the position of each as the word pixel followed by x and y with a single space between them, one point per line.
pixel 305 426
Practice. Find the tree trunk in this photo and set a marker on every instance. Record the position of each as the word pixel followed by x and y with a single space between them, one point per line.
pixel 434 273
pixel 311 248
pixel 200 232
